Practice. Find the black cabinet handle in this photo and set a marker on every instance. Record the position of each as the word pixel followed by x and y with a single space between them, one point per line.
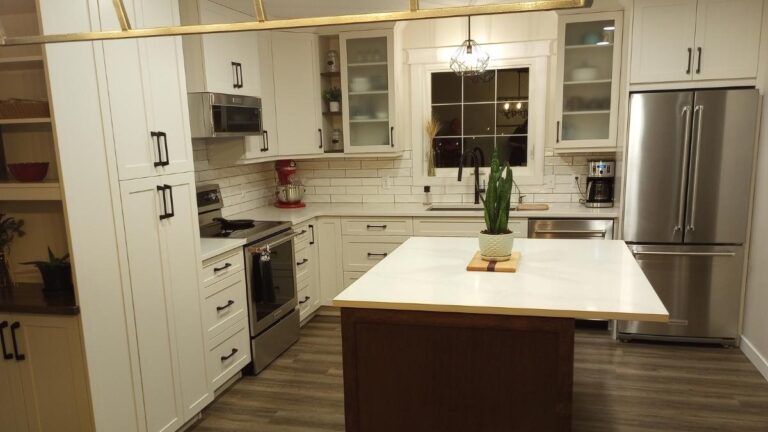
pixel 19 356
pixel 265 143
pixel 172 213
pixel 392 136
pixel 227 357
pixel 156 138
pixel 304 261
pixel 165 214
pixel 376 226
pixel 240 74
pixel 235 76
pixel 224 267
pixel 312 229
pixel 557 132
pixel 321 137
pixel 690 55
pixel 6 354
pixel 371 254
pixel 698 61
pixel 306 299
pixel 164 137
pixel 221 308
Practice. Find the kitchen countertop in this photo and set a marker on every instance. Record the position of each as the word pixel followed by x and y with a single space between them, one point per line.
pixel 211 247
pixel 556 278
pixel 312 210
pixel 30 298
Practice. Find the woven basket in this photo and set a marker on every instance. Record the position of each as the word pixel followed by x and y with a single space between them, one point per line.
pixel 22 108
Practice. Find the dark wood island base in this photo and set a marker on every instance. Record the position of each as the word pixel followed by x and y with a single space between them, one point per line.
pixel 445 371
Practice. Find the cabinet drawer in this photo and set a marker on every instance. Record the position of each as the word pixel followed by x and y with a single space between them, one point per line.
pixel 230 353
pixel 350 277
pixel 305 299
pixel 225 304
pixel 461 227
pixel 377 226
pixel 219 267
pixel 362 253
pixel 303 263
pixel 306 238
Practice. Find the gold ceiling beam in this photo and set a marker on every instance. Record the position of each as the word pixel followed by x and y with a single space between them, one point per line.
pixel 258 8
pixel 488 9
pixel 122 15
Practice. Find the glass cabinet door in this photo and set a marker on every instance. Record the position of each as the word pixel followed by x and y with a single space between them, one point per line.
pixel 588 75
pixel 368 91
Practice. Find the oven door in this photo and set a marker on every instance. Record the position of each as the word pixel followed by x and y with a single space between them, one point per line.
pixel 271 280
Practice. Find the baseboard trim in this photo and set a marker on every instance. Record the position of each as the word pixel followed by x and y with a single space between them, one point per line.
pixel 757 359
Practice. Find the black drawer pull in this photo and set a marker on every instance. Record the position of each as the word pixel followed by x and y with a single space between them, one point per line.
pixel 304 261
pixel 224 267
pixel 6 354
pixel 227 357
pixel 690 53
pixel 376 226
pixel 19 356
pixel 221 308
pixel 306 299
pixel 371 254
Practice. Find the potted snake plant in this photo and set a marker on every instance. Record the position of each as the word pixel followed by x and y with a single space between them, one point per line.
pixel 496 240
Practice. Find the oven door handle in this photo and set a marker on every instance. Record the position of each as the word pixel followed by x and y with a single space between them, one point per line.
pixel 257 249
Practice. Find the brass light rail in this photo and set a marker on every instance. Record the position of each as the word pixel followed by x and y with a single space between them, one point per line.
pixel 262 23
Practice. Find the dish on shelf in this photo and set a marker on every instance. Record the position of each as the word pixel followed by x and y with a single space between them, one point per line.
pixel 29 172
pixel 360 84
pixel 586 73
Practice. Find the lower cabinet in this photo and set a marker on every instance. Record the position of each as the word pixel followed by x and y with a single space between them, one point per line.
pixel 225 316
pixel 361 253
pixel 329 247
pixel 163 251
pixel 307 269
pixel 461 227
pixel 43 377
pixel 351 277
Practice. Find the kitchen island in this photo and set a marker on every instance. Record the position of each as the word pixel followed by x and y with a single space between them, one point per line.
pixel 430 346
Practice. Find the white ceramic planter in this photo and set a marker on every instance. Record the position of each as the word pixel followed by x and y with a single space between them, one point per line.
pixel 334 106
pixel 496 247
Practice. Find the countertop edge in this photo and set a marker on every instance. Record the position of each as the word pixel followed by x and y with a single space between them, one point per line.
pixel 213 247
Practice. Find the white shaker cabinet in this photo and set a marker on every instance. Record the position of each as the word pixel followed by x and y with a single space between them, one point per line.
pixel 695 40
pixel 297 93
pixel 163 255
pixel 43 383
pixel 147 94
pixel 224 62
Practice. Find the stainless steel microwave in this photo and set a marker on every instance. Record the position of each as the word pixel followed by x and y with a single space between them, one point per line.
pixel 215 115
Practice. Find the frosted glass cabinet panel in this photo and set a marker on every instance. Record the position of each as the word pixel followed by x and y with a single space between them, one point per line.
pixel 368 91
pixel 588 80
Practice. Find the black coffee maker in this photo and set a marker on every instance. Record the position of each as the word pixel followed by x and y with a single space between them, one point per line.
pixel 600 180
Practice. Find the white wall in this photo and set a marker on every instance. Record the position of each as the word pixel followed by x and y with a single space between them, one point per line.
pixel 755 331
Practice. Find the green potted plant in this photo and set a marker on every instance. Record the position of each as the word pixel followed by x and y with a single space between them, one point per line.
pixel 56 273
pixel 333 96
pixel 496 240
pixel 10 228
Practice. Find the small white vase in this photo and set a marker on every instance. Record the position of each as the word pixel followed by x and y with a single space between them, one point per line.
pixel 496 247
pixel 334 106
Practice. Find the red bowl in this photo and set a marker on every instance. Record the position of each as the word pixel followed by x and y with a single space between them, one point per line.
pixel 29 172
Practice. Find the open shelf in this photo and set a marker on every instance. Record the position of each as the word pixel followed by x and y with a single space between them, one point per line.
pixel 32 191
pixel 367 64
pixel 25 120
pixel 332 114
pixel 330 74
pixel 597 45
pixel 20 63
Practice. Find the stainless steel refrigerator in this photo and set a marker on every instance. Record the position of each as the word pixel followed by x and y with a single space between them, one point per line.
pixel 689 176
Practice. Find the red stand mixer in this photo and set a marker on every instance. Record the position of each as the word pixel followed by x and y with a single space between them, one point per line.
pixel 290 189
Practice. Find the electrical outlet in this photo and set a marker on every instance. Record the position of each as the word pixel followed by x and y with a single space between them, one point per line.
pixel 386 182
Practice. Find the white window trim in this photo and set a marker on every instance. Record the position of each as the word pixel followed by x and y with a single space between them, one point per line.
pixel 533 55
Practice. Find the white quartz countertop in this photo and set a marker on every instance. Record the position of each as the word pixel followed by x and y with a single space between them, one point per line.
pixel 312 210
pixel 556 278
pixel 210 247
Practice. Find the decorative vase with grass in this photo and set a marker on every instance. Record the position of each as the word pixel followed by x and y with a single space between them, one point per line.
pixel 10 228
pixel 496 241
pixel 333 96
pixel 56 273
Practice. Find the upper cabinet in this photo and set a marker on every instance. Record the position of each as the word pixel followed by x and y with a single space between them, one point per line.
pixel 368 96
pixel 684 40
pixel 588 75
pixel 220 63
pixel 297 93
pixel 147 94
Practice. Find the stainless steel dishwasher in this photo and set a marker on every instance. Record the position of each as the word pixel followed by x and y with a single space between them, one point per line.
pixel 597 229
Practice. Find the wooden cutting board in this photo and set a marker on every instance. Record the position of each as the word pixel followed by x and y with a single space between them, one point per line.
pixel 509 266
pixel 532 206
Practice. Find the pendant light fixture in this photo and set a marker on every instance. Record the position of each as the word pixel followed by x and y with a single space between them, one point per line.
pixel 469 59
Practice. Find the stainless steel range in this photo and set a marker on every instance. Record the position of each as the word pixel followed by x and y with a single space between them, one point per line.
pixel 269 257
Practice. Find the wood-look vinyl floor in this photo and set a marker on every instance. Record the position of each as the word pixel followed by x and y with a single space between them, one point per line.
pixel 627 387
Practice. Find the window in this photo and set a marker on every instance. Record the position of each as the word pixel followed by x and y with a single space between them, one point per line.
pixel 480 114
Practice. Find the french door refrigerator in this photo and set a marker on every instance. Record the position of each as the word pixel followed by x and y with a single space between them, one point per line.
pixel 689 176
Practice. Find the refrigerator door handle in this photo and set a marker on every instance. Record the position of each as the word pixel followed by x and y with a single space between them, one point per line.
pixel 699 254
pixel 700 111
pixel 686 150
